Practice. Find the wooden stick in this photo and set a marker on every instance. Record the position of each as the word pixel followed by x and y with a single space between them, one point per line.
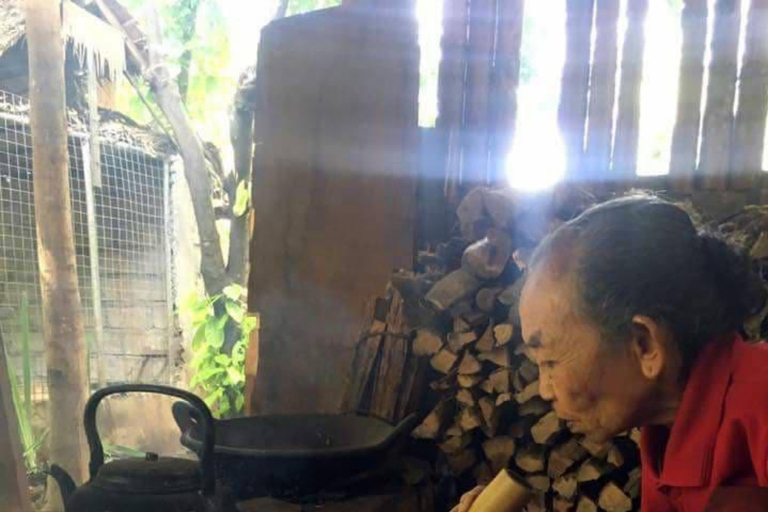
pixel 717 129
pixel 753 100
pixel 685 136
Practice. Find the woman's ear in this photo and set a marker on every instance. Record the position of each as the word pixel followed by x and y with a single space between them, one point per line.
pixel 650 345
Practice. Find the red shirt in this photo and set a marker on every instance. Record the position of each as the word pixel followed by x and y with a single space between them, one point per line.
pixel 720 433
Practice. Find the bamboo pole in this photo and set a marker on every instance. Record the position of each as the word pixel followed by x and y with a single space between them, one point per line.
pixel 482 25
pixel 506 78
pixel 628 121
pixel 685 136
pixel 572 111
pixel 717 129
pixel 63 326
pixel 602 92
pixel 753 100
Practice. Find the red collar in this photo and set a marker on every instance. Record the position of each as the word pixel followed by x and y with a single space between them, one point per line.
pixel 690 444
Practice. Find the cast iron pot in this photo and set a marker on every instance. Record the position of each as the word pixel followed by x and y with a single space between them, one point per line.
pixel 151 484
pixel 294 455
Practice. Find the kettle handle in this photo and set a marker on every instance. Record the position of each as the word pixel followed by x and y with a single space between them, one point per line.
pixel 97 449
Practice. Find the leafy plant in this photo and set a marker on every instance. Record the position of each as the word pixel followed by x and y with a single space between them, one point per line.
pixel 219 375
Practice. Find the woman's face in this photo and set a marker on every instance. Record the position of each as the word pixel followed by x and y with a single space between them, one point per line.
pixel 599 391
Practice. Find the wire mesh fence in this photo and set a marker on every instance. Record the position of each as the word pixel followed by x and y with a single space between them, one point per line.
pixel 122 260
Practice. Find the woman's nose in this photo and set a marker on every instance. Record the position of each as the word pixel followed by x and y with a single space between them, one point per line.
pixel 545 386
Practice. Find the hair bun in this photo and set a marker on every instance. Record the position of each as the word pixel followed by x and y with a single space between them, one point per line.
pixel 742 291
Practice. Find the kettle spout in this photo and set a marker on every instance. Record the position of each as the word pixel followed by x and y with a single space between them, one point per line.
pixel 66 484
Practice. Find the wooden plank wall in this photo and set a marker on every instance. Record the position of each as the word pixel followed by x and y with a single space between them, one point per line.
pixel 716 144
pixel 334 193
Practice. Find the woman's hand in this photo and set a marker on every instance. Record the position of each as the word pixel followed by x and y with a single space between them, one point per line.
pixel 468 499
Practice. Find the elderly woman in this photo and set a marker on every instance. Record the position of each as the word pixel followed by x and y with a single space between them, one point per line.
pixel 633 318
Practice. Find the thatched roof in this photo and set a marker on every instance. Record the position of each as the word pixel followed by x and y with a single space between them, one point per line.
pixel 11 24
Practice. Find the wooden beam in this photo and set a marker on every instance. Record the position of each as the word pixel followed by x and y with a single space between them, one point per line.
pixel 572 111
pixel 685 136
pixel 753 100
pixel 506 77
pixel 602 92
pixel 717 129
pixel 628 121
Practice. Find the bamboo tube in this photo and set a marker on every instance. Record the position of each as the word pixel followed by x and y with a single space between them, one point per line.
pixel 505 493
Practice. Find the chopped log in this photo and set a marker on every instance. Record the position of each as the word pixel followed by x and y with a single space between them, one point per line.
pixel 566 485
pixel 500 205
pixel 499 451
pixel 597 450
pixel 613 499
pixel 615 457
pixel 563 457
pixel 486 299
pixel 445 383
pixel 528 370
pixel 500 356
pixel 716 132
pixel 392 363
pixel 530 392
pixel 470 419
pixel 632 487
pixel 469 381
pixel 454 444
pixel 521 426
pixel 518 384
pixel 586 505
pixel 366 355
pixel 572 111
pixel 503 333
pixel 444 361
pixel 432 425
pixel 749 136
pixel 511 297
pixel 602 92
pixel 487 386
pixel 427 343
pixel 454 287
pixel 539 482
pixel 547 428
pixel 471 214
pixel 501 380
pixel 534 407
pixel 685 135
pixel 628 119
pixel 457 341
pixel 504 398
pixel 490 416
pixel 487 258
pixel 475 318
pixel 465 398
pixel 469 365
pixel 483 473
pixel 561 504
pixel 454 431
pixel 593 469
pixel 487 340
pixel 531 458
pixel 462 461
pixel 460 325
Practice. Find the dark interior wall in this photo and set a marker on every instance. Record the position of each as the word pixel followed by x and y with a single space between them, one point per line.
pixel 334 193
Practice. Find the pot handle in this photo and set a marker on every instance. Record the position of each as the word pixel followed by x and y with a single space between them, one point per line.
pixel 97 449
pixel 402 429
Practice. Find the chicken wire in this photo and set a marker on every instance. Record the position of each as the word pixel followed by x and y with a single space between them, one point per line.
pixel 131 211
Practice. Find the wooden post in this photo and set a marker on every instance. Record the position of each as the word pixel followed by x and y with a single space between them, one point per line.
pixel 602 92
pixel 482 28
pixel 173 341
pixel 572 111
pixel 753 100
pixel 14 487
pixel 685 137
pixel 717 130
pixel 628 122
pixel 505 81
pixel 63 326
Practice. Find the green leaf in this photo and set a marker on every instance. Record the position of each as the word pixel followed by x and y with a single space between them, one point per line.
pixel 210 399
pixel 239 402
pixel 199 338
pixel 214 332
pixel 234 292
pixel 209 372
pixel 235 310
pixel 242 198
pixel 222 359
pixel 235 376
pixel 200 357
pixel 224 407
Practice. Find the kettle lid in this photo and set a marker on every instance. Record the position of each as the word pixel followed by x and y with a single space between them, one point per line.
pixel 151 475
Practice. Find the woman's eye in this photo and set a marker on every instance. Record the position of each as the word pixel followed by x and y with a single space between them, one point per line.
pixel 547 364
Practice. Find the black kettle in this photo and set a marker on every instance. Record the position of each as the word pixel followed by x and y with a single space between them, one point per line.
pixel 149 484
